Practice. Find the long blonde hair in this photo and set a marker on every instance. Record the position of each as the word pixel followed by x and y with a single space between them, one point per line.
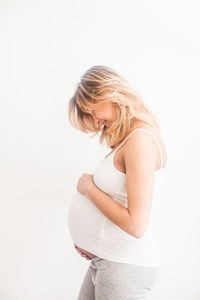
pixel 101 84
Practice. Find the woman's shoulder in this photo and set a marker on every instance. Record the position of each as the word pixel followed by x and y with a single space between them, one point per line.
pixel 156 132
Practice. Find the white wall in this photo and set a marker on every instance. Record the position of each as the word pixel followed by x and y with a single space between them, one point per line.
pixel 45 48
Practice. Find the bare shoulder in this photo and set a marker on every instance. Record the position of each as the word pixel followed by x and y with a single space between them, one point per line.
pixel 137 140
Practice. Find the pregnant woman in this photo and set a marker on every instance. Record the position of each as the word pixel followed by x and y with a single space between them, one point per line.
pixel 111 215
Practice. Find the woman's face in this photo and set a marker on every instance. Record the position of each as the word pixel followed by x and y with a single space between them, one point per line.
pixel 103 115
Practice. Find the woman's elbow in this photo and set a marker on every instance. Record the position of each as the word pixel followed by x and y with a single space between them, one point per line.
pixel 138 233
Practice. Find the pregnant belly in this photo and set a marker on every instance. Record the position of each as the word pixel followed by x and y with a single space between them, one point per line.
pixel 84 222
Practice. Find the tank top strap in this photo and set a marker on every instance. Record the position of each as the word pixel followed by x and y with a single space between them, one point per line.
pixel 156 140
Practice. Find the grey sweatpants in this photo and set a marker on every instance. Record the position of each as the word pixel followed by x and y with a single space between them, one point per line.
pixel 107 280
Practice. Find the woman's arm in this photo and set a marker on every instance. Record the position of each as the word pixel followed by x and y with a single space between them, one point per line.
pixel 140 156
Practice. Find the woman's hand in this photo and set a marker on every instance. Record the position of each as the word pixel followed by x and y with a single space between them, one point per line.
pixel 81 252
pixel 85 183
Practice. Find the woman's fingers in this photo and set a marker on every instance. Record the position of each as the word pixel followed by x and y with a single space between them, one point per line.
pixel 82 253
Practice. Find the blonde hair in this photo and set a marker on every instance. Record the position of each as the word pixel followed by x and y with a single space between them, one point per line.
pixel 101 84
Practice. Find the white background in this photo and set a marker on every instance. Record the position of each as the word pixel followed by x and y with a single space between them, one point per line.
pixel 45 48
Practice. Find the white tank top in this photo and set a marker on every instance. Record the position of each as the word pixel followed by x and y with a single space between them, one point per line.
pixel 94 232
